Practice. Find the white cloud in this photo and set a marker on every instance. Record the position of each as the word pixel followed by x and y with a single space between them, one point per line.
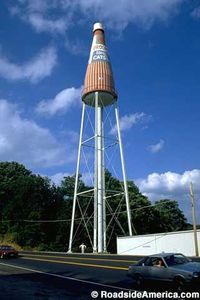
pixel 173 186
pixel 34 70
pixel 196 13
pixel 58 15
pixel 156 147
pixel 127 121
pixel 170 182
pixel 36 14
pixel 61 103
pixel 41 24
pixel 58 177
pixel 25 141
pixel 44 15
pixel 76 46
pixel 86 177
pixel 140 12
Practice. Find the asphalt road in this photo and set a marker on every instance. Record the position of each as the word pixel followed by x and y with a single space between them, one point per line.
pixel 48 276
pixel 60 276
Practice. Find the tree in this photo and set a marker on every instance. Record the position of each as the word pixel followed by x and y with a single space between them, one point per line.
pixel 25 196
pixel 142 219
pixel 169 216
pixel 29 202
pixel 65 212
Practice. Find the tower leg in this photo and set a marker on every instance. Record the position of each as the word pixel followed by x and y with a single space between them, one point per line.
pixel 95 179
pixel 99 171
pixel 123 171
pixel 76 180
pixel 104 196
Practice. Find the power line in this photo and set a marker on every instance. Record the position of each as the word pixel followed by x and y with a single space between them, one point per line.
pixel 78 219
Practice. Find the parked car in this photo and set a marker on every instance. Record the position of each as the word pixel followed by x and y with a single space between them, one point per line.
pixel 166 267
pixel 8 251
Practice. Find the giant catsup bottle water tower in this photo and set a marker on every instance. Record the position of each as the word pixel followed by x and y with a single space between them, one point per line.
pixel 99 92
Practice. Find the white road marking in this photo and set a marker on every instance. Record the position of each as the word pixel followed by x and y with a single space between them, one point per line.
pixel 65 277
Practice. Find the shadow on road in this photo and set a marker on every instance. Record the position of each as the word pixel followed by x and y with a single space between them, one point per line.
pixel 29 286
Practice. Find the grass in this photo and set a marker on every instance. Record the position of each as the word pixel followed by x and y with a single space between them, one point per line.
pixel 7 240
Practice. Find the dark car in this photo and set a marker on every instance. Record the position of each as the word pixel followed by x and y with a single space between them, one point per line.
pixel 8 251
pixel 166 267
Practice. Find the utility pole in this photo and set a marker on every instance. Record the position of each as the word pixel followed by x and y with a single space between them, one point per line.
pixel 194 220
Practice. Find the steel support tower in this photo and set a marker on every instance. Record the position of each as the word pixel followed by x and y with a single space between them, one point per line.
pixel 98 93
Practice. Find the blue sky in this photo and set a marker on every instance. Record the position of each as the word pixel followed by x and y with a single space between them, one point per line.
pixel 154 48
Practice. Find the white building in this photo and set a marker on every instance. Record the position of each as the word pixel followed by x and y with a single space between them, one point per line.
pixel 179 241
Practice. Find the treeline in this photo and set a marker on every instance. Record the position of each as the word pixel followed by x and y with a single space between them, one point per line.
pixel 36 214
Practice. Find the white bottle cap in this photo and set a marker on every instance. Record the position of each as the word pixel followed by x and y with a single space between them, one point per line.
pixel 97 26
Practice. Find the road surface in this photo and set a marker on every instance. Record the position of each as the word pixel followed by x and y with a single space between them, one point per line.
pixel 41 276
pixel 48 276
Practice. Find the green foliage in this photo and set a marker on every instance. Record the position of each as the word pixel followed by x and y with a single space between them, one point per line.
pixel 26 198
pixel 170 217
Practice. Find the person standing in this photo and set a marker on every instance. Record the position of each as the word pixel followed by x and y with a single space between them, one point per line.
pixel 82 247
